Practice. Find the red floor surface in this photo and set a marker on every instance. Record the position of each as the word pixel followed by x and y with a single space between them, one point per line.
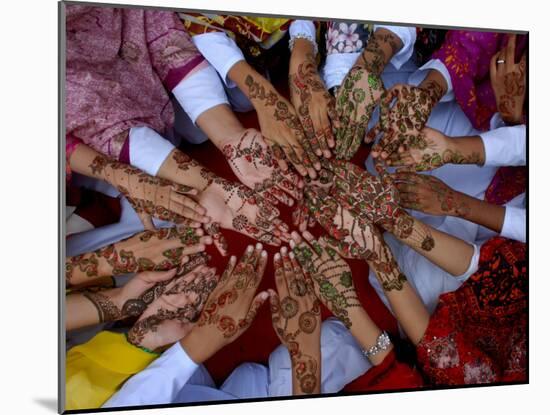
pixel 260 340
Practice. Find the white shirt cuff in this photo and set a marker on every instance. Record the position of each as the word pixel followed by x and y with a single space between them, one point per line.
pixel 200 92
pixel 408 38
pixel 515 225
pixel 148 149
pixel 221 51
pixel 337 66
pixel 505 146
pixel 418 76
pixel 158 383
pixel 472 268
pixel 302 27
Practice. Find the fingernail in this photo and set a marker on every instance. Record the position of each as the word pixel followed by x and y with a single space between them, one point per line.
pixel 292 244
pixel 284 251
pixel 277 256
pixel 264 295
pixel 249 248
pixel 258 246
pixel 291 255
pixel 264 254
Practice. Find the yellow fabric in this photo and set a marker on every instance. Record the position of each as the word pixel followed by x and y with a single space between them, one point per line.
pixel 265 31
pixel 96 369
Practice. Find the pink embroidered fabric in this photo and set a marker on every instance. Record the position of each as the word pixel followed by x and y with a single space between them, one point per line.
pixel 121 65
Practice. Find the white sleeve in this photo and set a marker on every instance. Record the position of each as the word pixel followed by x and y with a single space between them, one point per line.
pixel 159 383
pixel 200 91
pixel 515 225
pixel 148 149
pixel 474 263
pixel 408 38
pixel 221 51
pixel 337 66
pixel 302 27
pixel 505 146
pixel 418 76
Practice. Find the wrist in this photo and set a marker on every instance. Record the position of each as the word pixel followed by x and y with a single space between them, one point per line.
pixel 196 347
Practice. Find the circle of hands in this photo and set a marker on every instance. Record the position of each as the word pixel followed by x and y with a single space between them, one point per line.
pixel 192 304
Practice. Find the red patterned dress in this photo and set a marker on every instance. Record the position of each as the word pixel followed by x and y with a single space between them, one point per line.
pixel 478 334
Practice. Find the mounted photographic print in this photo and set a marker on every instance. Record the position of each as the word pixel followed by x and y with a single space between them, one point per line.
pixel 263 207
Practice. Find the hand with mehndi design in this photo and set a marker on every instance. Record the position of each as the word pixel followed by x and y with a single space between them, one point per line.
pixel 430 195
pixel 370 198
pixel 146 251
pixel 278 120
pixel 92 307
pixel 351 235
pixel 231 308
pixel 432 149
pixel 173 314
pixel 302 217
pixel 356 99
pixel 236 207
pixel 402 123
pixel 308 94
pixel 509 80
pixel 296 317
pixel 330 273
pixel 152 196
pixel 253 162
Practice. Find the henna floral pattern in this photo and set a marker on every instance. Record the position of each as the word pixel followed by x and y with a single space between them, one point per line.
pixel 255 165
pixel 298 150
pixel 172 314
pixel 149 195
pixel 310 97
pixel 429 151
pixel 142 252
pixel 402 123
pixel 297 321
pixel 331 275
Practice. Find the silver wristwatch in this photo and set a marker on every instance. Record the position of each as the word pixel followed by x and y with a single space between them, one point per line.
pixel 382 343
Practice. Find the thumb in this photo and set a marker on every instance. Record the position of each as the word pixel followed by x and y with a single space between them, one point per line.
pixel 253 310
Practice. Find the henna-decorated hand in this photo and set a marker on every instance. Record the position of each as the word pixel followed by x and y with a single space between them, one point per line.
pixel 353 236
pixel 356 99
pixel 234 206
pixel 429 150
pixel 314 104
pixel 232 306
pixel 281 127
pixel 296 317
pixel 370 198
pixel 172 315
pixel 132 299
pixel 253 162
pixel 146 251
pixel 403 123
pixel 330 273
pixel 509 81
pixel 430 195
pixel 151 196
pixel 301 215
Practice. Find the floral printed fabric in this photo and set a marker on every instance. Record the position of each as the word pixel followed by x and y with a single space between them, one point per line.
pixel 346 37
pixel 120 64
pixel 478 334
